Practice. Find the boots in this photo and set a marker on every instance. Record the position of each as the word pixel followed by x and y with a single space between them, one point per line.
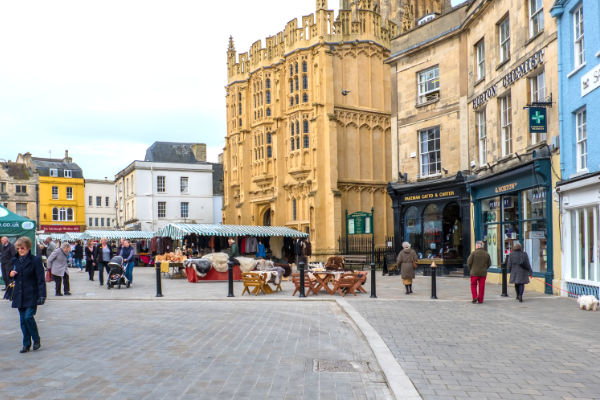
pixel 407 290
pixel 410 288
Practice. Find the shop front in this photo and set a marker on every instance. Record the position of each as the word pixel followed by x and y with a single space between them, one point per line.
pixel 433 216
pixel 515 206
pixel 580 208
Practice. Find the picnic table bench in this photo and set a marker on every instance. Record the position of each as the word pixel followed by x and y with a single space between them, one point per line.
pixel 355 259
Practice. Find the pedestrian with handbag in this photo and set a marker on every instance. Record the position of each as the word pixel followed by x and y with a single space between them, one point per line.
pixel 479 261
pixel 58 266
pixel 90 259
pixel 103 254
pixel 29 291
pixel 407 261
pixel 519 268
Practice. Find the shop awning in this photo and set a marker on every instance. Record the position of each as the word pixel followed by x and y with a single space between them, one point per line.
pixel 179 231
pixel 114 235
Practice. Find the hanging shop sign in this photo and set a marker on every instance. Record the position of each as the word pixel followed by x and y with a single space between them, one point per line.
pixel 538 122
pixel 531 63
pixel 428 196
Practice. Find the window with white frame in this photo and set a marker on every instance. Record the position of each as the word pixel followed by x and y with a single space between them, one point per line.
pixel 578 37
pixel 53 172
pixel 537 93
pixel 162 209
pixel 68 173
pixel 21 189
pixel 506 125
pixel 482 137
pixel 504 39
pixel 536 17
pixel 106 201
pixel 22 209
pixel 480 59
pixel 581 131
pixel 183 184
pixel 54 192
pixel 185 209
pixel 70 214
pixel 55 214
pixel 428 85
pixel 69 193
pixel 429 151
pixel 62 214
pixel 98 201
pixel 160 184
pixel 90 201
pixel 585 247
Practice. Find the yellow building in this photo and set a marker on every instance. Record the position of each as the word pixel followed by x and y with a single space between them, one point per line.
pixel 61 193
pixel 472 86
pixel 308 126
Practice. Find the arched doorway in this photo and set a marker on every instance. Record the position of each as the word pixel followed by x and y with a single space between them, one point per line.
pixel 266 219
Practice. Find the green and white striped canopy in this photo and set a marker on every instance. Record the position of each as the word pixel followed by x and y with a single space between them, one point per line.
pixel 113 235
pixel 179 231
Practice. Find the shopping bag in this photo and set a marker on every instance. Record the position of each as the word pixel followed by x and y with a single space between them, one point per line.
pixel 48 276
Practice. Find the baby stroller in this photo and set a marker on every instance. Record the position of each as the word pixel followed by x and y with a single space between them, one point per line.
pixel 116 273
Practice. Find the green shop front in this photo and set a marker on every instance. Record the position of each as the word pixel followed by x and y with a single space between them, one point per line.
pixel 515 206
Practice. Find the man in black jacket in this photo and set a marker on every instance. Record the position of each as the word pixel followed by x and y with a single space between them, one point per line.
pixel 8 252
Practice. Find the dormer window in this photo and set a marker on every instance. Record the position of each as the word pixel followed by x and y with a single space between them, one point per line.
pixel 53 172
pixel 68 173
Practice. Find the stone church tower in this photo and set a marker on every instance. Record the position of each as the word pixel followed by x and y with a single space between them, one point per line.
pixel 404 13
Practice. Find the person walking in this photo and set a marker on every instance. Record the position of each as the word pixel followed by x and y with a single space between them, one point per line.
pixel 407 260
pixel 58 266
pixel 90 259
pixel 128 256
pixel 78 255
pixel 479 261
pixel 50 246
pixel 519 268
pixel 7 254
pixel 103 254
pixel 29 291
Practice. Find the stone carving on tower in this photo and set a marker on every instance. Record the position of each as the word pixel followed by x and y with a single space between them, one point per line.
pixel 404 13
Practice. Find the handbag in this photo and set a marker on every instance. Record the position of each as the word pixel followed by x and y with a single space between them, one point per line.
pixel 415 265
pixel 10 290
pixel 48 276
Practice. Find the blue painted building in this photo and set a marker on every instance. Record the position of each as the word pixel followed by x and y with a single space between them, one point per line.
pixel 579 109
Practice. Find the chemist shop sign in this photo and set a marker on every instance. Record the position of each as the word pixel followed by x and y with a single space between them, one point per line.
pixel 538 122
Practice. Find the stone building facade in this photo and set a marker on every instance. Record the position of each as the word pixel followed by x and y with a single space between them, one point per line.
pixel 308 125
pixel 18 189
pixel 477 76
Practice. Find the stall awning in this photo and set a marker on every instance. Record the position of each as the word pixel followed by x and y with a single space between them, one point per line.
pixel 113 235
pixel 178 231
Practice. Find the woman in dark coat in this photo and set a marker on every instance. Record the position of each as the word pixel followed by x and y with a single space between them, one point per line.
pixel 78 255
pixel 29 291
pixel 90 259
pixel 406 259
pixel 520 269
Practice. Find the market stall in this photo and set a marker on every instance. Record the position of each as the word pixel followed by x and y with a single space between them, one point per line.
pixel 14 226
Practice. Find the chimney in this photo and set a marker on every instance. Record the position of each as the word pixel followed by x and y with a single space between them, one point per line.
pixel 67 159
pixel 199 150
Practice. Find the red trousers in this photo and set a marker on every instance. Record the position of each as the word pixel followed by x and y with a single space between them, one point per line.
pixel 478 280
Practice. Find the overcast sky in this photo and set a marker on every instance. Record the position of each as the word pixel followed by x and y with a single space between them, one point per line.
pixel 105 79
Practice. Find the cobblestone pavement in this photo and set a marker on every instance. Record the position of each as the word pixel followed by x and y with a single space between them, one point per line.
pixel 543 348
pixel 188 350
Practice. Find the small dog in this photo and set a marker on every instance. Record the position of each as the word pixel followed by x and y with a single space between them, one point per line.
pixel 588 303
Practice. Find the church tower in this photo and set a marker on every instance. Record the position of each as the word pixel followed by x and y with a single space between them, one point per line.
pixel 406 13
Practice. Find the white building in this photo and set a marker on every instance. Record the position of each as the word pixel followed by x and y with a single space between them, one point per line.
pixel 173 185
pixel 100 212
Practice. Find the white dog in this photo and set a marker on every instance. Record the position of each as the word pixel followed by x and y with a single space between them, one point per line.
pixel 588 303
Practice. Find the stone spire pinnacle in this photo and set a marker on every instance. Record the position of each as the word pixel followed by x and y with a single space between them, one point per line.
pixel 231 47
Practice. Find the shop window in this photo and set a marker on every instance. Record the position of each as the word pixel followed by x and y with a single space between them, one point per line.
pixel 504 39
pixel 536 17
pixel 451 232
pixel 432 231
pixel 585 246
pixel 579 56
pixel 581 130
pixel 429 150
pixel 533 203
pixel 506 125
pixel 482 137
pixel 480 59
pixel 428 85
pixel 412 229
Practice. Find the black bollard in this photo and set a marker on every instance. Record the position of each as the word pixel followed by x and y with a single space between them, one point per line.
pixel 504 281
pixel 230 277
pixel 373 286
pixel 433 283
pixel 158 280
pixel 301 269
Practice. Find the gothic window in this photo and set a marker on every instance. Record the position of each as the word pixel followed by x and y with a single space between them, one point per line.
pixel 304 66
pixel 296 67
pixel 268 96
pixel 297 127
pixel 304 82
pixel 296 82
pixel 268 137
pixel 306 141
pixel 291 86
pixel 268 83
pixel 268 112
pixel 291 100
pixel 297 99
pixel 305 98
pixel 305 126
